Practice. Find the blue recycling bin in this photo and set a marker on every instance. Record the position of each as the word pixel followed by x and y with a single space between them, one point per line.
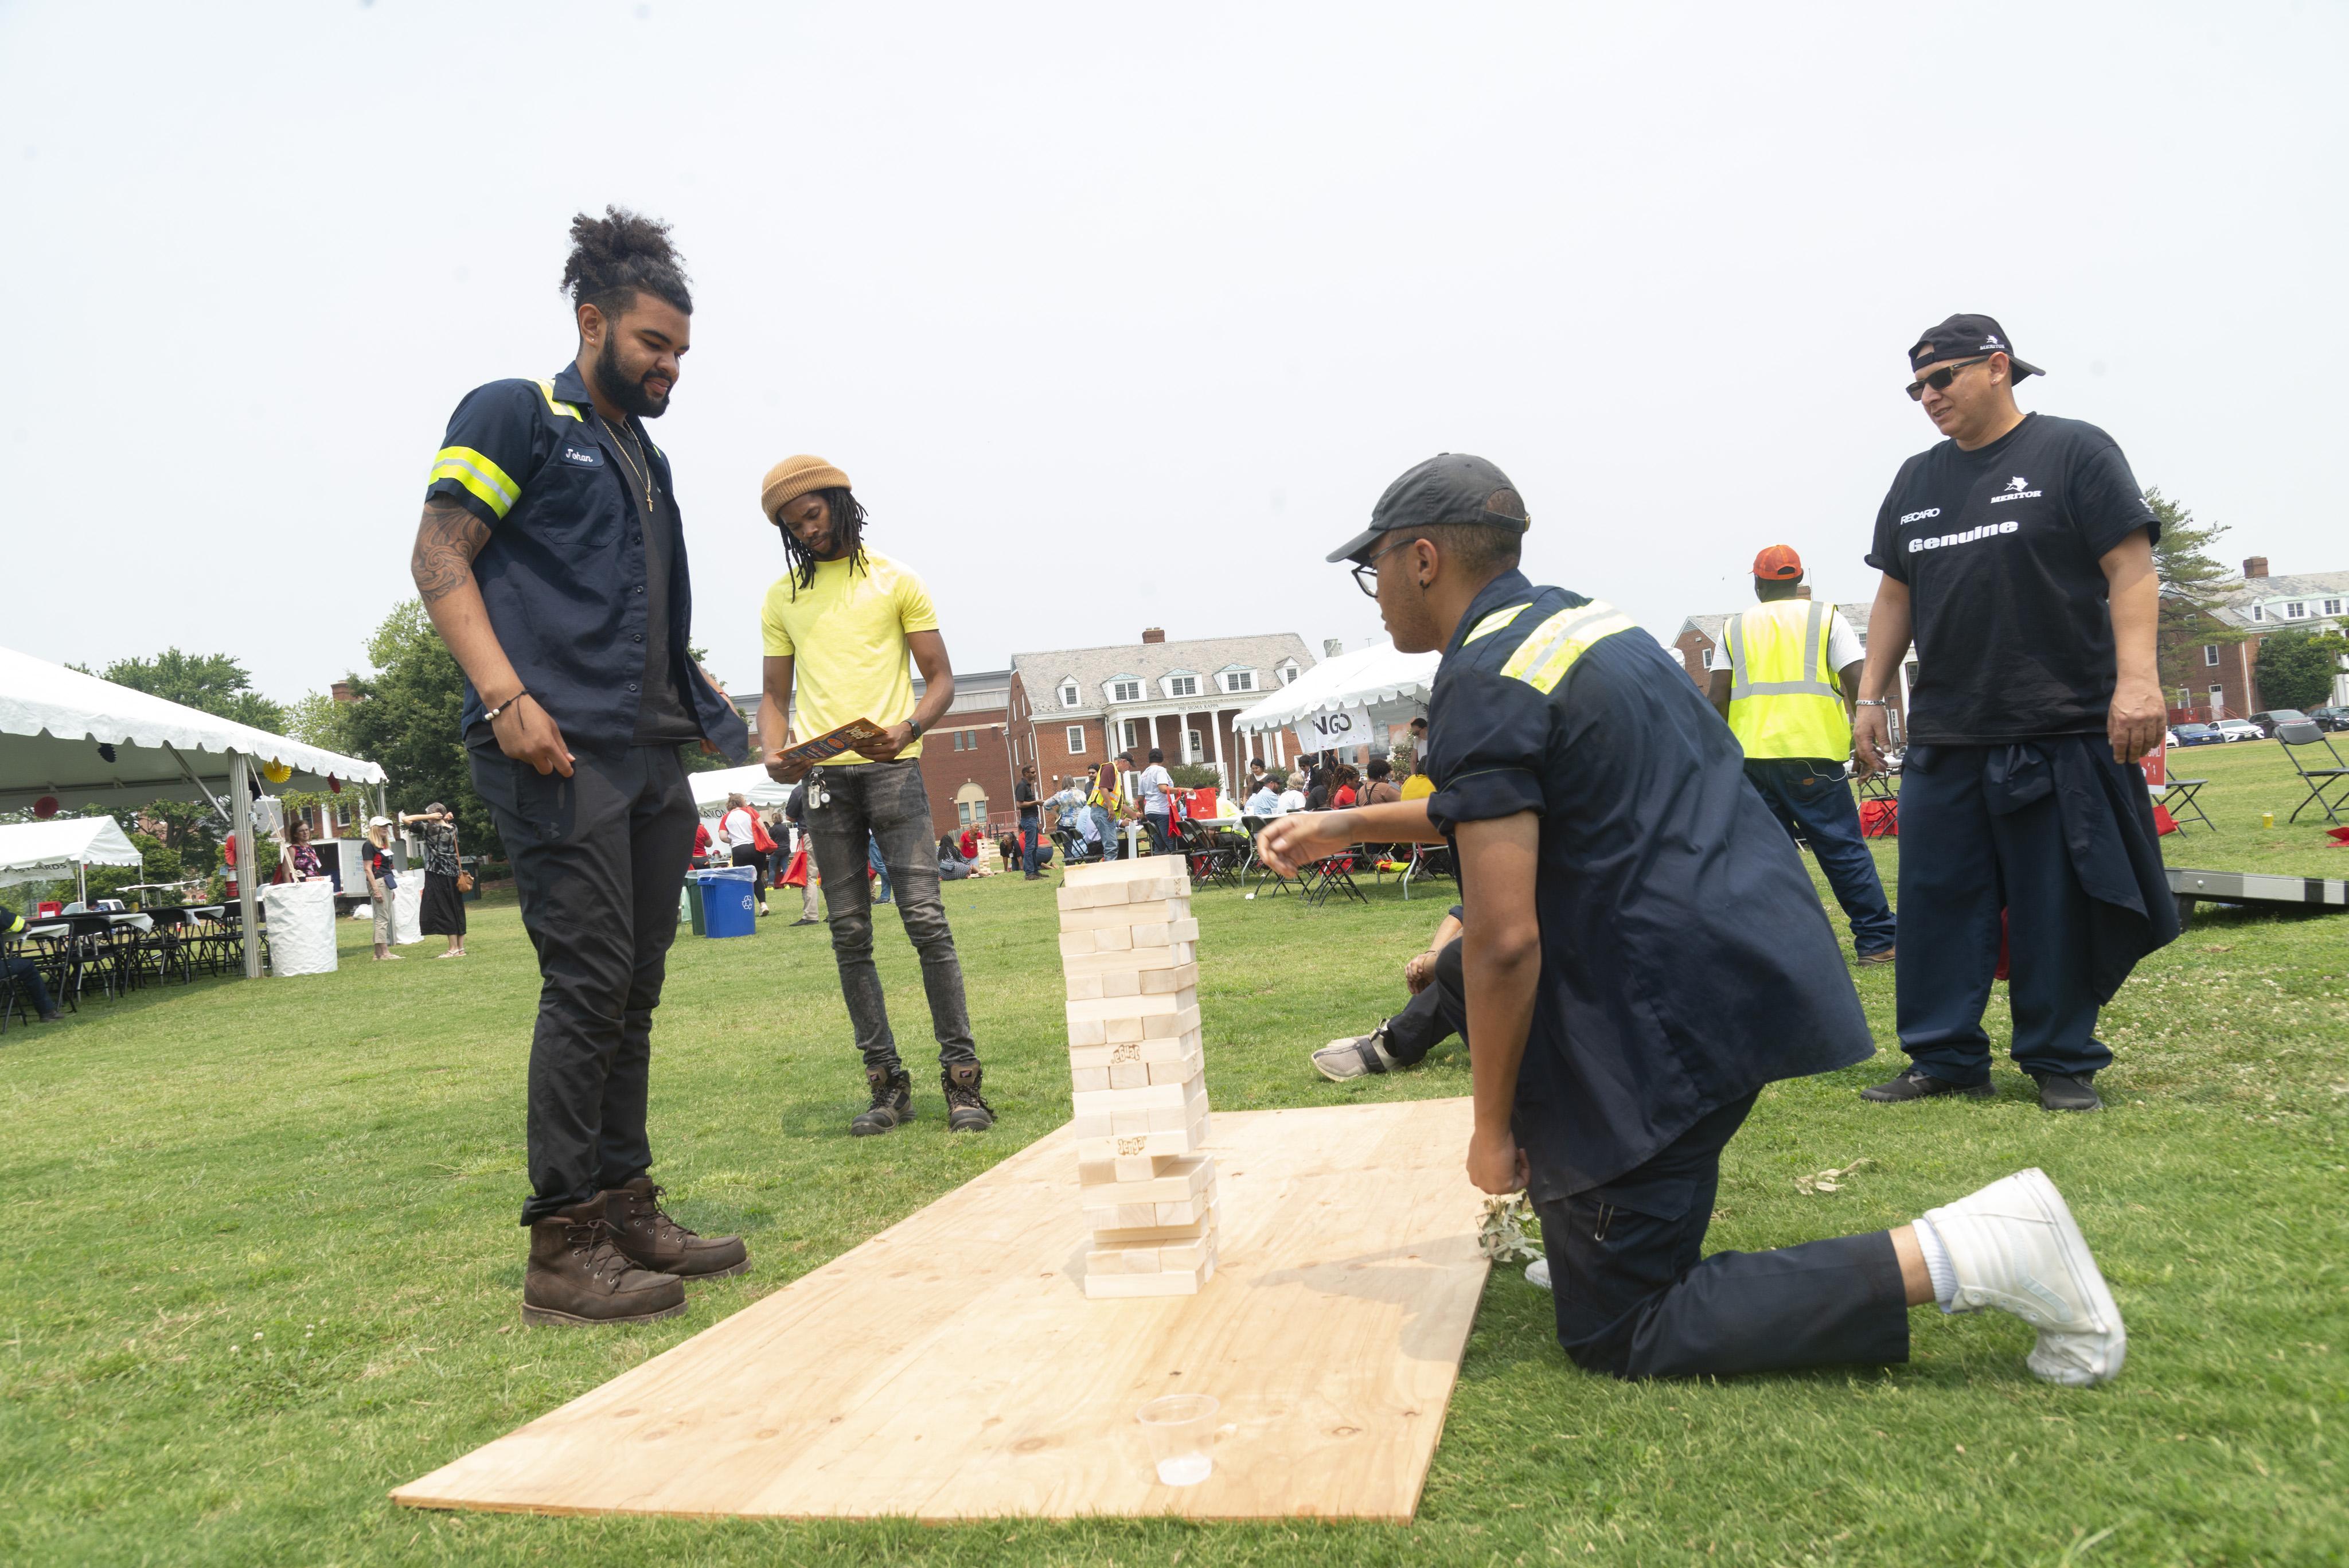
pixel 729 901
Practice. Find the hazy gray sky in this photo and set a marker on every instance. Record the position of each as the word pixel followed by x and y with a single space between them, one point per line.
pixel 1123 316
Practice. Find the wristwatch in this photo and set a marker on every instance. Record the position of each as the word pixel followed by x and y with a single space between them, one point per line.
pixel 914 727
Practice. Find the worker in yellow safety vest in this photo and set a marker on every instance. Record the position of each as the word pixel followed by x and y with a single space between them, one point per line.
pixel 1785 676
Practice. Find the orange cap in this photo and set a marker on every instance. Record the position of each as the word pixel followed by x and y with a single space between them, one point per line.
pixel 1778 562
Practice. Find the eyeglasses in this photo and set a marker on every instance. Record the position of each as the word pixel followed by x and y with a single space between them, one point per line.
pixel 1940 379
pixel 1366 576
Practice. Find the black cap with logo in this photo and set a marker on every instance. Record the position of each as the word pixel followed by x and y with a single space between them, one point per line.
pixel 1449 490
pixel 1964 338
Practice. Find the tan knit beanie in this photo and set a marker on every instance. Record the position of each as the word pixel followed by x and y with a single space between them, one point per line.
pixel 794 477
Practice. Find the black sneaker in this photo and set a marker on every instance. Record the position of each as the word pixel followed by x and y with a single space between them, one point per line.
pixel 965 1112
pixel 2063 1092
pixel 1917 1084
pixel 893 1103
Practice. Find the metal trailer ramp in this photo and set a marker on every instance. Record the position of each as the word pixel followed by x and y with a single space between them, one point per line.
pixel 2255 890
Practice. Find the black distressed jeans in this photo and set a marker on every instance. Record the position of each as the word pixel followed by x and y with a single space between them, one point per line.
pixel 598 861
pixel 886 802
pixel 1635 1299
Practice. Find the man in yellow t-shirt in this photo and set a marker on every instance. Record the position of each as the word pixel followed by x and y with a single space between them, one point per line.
pixel 840 625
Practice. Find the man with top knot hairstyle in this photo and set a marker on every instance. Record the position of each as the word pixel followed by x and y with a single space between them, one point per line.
pixel 552 560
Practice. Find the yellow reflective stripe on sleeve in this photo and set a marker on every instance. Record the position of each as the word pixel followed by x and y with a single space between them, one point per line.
pixel 568 410
pixel 1494 622
pixel 1550 650
pixel 18 925
pixel 477 473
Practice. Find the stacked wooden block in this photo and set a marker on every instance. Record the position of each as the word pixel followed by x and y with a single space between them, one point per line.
pixel 1128 944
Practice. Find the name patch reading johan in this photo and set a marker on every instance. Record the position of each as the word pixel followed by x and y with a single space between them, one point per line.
pixel 585 456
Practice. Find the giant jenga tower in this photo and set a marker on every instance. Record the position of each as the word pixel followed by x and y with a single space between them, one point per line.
pixel 1128 944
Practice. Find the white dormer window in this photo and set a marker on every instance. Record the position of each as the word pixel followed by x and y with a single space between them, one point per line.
pixel 2332 606
pixel 1125 689
pixel 1182 686
pixel 1069 694
pixel 2259 612
pixel 2294 610
pixel 1239 681
pixel 1287 672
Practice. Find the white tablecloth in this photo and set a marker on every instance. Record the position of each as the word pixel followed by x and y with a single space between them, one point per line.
pixel 301 927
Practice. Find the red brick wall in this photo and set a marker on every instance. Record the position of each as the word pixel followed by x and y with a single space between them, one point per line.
pixel 985 761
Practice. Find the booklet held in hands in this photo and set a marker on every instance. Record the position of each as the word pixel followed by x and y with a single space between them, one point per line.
pixel 825 747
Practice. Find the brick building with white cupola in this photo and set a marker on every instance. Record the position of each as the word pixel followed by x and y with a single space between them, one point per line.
pixel 1070 709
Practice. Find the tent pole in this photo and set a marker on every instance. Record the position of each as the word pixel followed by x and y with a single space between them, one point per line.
pixel 240 806
pixel 81 883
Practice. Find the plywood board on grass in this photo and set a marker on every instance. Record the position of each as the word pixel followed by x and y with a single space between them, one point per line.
pixel 951 1368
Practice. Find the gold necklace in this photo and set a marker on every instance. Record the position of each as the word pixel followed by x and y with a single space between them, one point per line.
pixel 643 474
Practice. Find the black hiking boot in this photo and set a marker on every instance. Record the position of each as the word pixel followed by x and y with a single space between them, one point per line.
pixel 893 1103
pixel 965 1112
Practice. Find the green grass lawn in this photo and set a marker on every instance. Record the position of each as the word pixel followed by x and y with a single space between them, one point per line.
pixel 261 1262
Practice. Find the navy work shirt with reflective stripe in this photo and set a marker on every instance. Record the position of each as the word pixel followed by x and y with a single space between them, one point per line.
pixel 1686 960
pixel 563 574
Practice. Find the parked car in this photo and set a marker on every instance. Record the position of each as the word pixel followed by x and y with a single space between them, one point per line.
pixel 2238 729
pixel 2329 718
pixel 2195 735
pixel 2267 721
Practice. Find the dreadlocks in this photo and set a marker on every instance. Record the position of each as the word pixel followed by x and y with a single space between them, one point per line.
pixel 847 529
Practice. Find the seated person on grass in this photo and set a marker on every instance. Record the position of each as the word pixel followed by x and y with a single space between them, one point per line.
pixel 1438 1010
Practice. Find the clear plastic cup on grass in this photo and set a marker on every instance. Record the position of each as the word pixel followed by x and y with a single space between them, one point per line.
pixel 1181 1428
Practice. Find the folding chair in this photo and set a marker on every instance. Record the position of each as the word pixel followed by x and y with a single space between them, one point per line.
pixel 1332 873
pixel 2328 788
pixel 1254 873
pixel 2178 798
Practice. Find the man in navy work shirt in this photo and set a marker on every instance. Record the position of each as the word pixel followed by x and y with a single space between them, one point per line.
pixel 1642 951
pixel 2020 552
pixel 552 560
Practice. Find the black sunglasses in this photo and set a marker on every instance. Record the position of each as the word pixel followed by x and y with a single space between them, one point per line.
pixel 1366 576
pixel 1940 379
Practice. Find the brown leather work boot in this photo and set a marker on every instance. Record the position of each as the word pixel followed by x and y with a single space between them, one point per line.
pixel 965 1112
pixel 891 1106
pixel 653 1241
pixel 578 1274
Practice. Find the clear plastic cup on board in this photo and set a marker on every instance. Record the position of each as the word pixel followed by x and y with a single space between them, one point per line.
pixel 1182 1429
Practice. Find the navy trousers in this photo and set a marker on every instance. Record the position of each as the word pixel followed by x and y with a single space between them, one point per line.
pixel 1634 1299
pixel 1814 802
pixel 1962 863
pixel 1439 1011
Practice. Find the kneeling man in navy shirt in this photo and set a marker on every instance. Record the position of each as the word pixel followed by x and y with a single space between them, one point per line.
pixel 1643 951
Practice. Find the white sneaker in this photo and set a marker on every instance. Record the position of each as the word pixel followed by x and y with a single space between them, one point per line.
pixel 2015 1246
pixel 1537 1273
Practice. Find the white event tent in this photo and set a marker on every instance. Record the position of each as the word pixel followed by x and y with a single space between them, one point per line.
pixel 1339 702
pixel 711 789
pixel 79 741
pixel 52 851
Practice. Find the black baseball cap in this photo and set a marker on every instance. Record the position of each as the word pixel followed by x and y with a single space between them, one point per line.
pixel 1963 338
pixel 1448 490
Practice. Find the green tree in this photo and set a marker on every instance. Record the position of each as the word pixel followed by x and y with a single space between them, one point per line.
pixel 2296 668
pixel 212 682
pixel 2193 586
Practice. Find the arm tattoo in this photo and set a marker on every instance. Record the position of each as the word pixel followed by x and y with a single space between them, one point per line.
pixel 446 540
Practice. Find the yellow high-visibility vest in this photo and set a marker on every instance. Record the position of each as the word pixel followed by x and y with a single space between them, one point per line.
pixel 1782 701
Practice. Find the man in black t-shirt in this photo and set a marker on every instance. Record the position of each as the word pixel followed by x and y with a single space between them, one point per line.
pixel 1031 831
pixel 2019 552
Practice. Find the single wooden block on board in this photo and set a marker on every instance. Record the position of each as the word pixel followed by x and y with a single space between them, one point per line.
pixel 1113 1287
